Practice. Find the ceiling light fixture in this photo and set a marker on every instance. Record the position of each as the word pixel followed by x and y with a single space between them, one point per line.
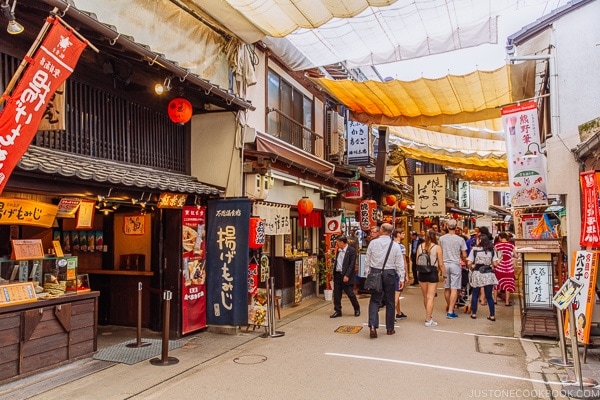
pixel 13 27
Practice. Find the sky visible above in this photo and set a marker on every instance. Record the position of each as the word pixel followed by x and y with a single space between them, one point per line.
pixel 485 57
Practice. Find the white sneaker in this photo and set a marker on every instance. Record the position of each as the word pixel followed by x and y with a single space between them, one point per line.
pixel 431 322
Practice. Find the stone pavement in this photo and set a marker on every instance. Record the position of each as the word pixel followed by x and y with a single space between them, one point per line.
pixel 202 348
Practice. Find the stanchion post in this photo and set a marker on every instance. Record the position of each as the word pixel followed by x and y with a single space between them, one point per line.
pixel 577 390
pixel 139 342
pixel 165 359
pixel 271 310
pixel 564 361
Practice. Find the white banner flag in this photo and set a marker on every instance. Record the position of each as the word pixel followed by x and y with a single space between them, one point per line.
pixel 526 162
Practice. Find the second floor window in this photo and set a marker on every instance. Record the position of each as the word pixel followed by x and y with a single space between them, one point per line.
pixel 291 113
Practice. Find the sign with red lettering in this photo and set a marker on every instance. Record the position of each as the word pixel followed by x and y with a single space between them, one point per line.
pixel 367 210
pixel 53 61
pixel 590 226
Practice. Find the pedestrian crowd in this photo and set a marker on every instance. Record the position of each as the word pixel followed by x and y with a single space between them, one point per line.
pixel 475 269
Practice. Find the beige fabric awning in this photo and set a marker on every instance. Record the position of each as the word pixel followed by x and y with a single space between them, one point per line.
pixel 449 100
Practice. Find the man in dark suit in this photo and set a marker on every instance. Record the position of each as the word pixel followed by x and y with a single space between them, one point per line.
pixel 343 277
pixel 415 242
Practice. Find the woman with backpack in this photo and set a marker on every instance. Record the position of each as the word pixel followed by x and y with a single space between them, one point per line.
pixel 482 260
pixel 429 281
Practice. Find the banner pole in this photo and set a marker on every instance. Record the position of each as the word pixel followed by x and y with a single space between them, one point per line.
pixel 34 47
pixel 24 62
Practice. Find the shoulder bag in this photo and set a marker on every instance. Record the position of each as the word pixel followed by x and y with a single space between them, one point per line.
pixel 374 281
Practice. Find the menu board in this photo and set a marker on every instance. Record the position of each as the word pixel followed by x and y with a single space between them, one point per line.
pixel 27 249
pixel 17 293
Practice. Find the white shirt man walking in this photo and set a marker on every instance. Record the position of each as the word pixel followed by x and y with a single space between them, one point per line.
pixel 454 248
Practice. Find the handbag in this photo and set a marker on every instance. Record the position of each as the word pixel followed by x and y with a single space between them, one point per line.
pixel 482 268
pixel 374 281
pixel 485 269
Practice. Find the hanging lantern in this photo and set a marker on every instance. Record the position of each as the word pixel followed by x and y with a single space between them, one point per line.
pixel 305 206
pixel 179 110
pixel 427 221
pixel 403 204
pixel 367 210
pixel 390 200
pixel 257 233
pixel 473 219
pixel 455 215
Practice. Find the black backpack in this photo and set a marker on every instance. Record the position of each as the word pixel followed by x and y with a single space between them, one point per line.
pixel 424 261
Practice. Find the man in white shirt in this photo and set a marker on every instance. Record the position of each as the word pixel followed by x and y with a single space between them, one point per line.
pixel 375 259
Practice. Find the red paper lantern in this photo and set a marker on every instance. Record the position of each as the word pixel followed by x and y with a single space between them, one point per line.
pixel 390 200
pixel 257 233
pixel 305 206
pixel 367 210
pixel 403 204
pixel 427 221
pixel 455 215
pixel 473 219
pixel 179 110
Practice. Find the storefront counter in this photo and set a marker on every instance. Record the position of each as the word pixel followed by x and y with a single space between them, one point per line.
pixel 45 333
pixel 119 296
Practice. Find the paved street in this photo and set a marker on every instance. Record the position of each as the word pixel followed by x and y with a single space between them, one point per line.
pixel 458 359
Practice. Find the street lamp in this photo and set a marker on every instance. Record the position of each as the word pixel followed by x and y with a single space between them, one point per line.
pixel 533 154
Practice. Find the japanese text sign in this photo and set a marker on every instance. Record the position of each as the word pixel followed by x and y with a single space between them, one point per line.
pixel 464 194
pixel 53 61
pixel 366 214
pixel 430 195
pixel 26 212
pixel 526 163
pixel 590 226
pixel 358 143
pixel 584 269
pixel 227 261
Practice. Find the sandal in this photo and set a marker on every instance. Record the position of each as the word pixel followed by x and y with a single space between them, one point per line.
pixel 509 304
pixel 491 318
pixel 473 316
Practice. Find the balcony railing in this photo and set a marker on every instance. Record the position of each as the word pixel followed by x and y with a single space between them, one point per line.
pixel 295 133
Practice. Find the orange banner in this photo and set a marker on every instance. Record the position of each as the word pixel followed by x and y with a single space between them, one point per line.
pixel 584 268
pixel 52 63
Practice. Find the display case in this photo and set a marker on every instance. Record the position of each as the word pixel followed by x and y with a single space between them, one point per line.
pixel 49 277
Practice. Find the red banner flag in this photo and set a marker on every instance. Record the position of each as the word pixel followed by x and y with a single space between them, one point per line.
pixel 52 63
pixel 590 218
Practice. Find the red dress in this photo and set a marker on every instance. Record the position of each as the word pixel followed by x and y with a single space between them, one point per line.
pixel 505 271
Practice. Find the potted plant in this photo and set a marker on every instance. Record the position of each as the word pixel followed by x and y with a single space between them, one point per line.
pixel 325 270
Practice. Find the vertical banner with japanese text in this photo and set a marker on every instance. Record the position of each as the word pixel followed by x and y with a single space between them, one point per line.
pixel 227 259
pixel 526 162
pixel 584 269
pixel 193 299
pixel 590 225
pixel 51 64
pixel 464 194
pixel 430 195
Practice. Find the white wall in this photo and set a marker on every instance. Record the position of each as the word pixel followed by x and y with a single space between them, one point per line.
pixel 575 37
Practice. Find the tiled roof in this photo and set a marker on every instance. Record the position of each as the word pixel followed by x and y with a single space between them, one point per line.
pixel 112 173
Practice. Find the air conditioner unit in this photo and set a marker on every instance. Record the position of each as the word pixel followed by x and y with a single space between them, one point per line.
pixel 257 186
